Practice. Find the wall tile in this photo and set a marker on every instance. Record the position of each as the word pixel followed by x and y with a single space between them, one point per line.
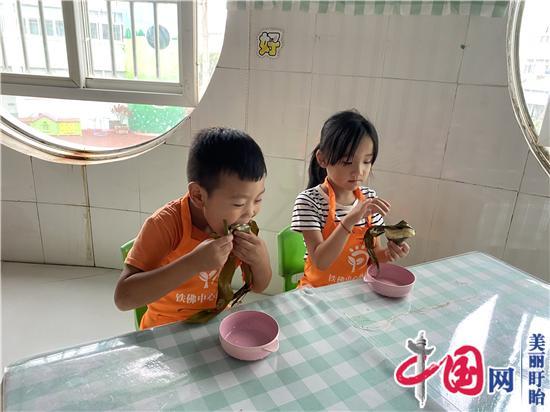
pixel 21 240
pixel 528 242
pixel 424 47
pixel 535 181
pixel 485 144
pixel 59 183
pixel 114 185
pixel 235 43
pixel 413 124
pixel 66 234
pixel 349 45
pixel 469 217
pixel 296 51
pixel 106 241
pixel 278 110
pixel 485 53
pixel 162 176
pixel 181 135
pixel 17 178
pixel 224 103
pixel 283 183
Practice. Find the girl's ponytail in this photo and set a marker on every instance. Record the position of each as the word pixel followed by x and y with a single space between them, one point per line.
pixel 317 173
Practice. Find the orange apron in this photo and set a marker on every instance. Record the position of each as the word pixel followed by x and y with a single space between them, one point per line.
pixel 352 261
pixel 198 293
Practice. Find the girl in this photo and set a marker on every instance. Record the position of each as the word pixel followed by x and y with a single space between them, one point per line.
pixel 335 210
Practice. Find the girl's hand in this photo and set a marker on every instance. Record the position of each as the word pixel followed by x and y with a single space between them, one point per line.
pixel 250 249
pixel 377 205
pixel 395 251
pixel 364 208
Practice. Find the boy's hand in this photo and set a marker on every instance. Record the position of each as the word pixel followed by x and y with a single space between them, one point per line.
pixel 250 249
pixel 395 251
pixel 364 208
pixel 212 253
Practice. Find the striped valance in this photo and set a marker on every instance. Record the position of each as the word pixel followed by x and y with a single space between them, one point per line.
pixel 380 7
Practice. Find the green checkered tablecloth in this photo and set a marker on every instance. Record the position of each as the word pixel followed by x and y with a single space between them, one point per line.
pixel 470 299
pixel 339 346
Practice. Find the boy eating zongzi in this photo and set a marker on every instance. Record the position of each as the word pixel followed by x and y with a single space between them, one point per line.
pixel 175 263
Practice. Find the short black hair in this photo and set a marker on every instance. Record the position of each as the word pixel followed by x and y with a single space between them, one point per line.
pixel 219 150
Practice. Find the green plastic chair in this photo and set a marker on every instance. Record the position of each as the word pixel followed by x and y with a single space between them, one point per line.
pixel 138 312
pixel 291 250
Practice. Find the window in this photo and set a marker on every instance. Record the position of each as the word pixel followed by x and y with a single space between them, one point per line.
pixel 93 30
pixel 104 74
pixel 117 32
pixel 59 28
pixel 105 31
pixel 49 27
pixel 33 26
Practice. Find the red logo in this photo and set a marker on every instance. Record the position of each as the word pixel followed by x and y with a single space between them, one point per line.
pixel 463 371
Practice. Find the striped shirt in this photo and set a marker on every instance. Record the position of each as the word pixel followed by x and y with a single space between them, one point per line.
pixel 311 210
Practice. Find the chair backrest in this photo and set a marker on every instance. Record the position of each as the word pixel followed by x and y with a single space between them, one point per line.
pixel 125 248
pixel 291 250
pixel 138 312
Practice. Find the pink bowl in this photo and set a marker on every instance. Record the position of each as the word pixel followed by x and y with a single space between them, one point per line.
pixel 249 335
pixel 392 281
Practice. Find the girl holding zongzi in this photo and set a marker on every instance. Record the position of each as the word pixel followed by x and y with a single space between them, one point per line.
pixel 335 210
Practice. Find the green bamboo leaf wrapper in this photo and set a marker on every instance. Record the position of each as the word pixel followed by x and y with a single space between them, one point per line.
pixel 225 292
pixel 396 233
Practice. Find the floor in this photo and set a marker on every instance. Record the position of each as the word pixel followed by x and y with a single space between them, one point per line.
pixel 49 307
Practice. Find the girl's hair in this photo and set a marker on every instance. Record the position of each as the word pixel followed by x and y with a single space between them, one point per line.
pixel 340 137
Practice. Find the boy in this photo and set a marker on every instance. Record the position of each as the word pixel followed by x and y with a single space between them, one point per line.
pixel 175 262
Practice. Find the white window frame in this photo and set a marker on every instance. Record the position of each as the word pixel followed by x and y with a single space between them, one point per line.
pixel 78 86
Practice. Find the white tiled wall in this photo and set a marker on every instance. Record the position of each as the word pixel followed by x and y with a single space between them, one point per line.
pixel 107 241
pixel 485 144
pixel 59 183
pixel 235 47
pixel 424 47
pixel 535 181
pixel 17 178
pixel 528 242
pixel 115 185
pixel 224 103
pixel 470 217
pixel 453 161
pixel 484 59
pixel 340 49
pixel 278 111
pixel 413 122
pixel 21 237
pixel 298 31
pixel 284 180
pixel 66 235
pixel 162 176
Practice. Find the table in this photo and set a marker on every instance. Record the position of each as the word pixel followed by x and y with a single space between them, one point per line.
pixel 339 347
